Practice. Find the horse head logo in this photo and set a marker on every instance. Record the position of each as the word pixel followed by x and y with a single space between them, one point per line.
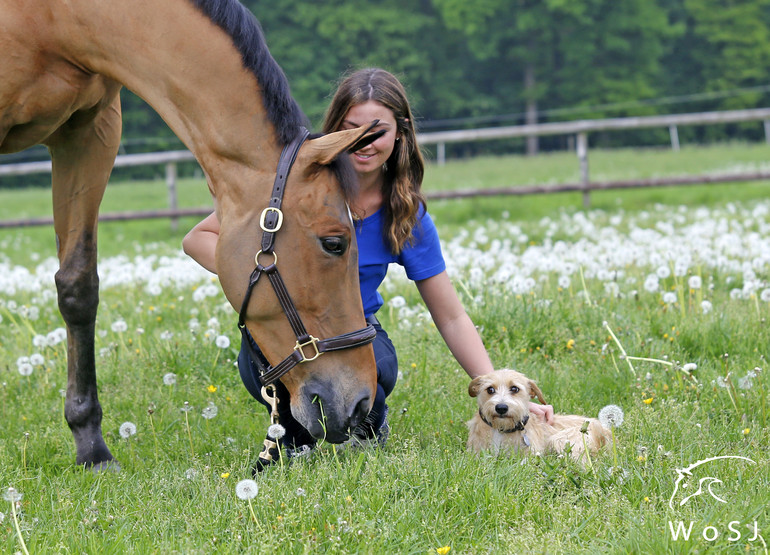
pixel 704 485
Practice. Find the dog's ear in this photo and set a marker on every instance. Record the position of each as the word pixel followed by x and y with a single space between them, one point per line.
pixel 475 385
pixel 534 391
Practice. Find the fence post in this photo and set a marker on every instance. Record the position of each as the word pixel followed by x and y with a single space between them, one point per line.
pixel 582 153
pixel 767 130
pixel 441 153
pixel 171 185
pixel 673 131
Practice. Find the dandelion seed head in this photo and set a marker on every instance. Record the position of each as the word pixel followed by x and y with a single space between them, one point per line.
pixel 210 411
pixel 119 326
pixel 12 495
pixel 169 378
pixel 611 416
pixel 222 341
pixel 695 282
pixel 127 429
pixel 276 431
pixel 690 367
pixel 246 489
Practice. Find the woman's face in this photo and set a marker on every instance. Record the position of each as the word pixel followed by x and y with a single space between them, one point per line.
pixel 372 157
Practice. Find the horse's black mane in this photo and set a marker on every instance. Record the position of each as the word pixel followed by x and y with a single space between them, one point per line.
pixel 238 22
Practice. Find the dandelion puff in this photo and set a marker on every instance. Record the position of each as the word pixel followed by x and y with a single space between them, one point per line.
pixel 690 367
pixel 300 492
pixel 276 431
pixel 706 306
pixel 222 341
pixel 611 416
pixel 246 489
pixel 37 360
pixel 669 297
pixel 765 295
pixel 127 429
pixel 210 411
pixel 169 379
pixel 12 495
pixel 25 368
pixel 119 326
pixel 695 282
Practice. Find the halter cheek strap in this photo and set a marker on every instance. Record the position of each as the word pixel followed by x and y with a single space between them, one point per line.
pixel 307 347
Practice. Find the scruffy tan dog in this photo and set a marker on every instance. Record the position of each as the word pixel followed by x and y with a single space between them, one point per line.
pixel 503 422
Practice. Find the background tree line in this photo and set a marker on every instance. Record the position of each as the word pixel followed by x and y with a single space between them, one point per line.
pixel 507 62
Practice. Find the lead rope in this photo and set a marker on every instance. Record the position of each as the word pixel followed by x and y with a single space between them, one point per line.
pixel 271 450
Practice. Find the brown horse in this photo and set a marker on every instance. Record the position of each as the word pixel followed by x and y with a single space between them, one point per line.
pixel 204 67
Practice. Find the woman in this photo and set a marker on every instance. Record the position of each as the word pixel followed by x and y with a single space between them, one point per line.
pixel 392 226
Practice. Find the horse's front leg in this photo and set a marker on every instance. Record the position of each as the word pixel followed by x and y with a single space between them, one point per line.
pixel 83 152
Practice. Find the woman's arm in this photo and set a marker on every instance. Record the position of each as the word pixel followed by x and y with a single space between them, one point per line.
pixel 200 243
pixel 454 324
pixel 459 333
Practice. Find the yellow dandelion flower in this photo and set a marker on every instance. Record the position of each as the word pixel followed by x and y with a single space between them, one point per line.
pixel 746 431
pixel 571 344
pixel 224 475
pixel 647 401
pixel 641 458
pixel 647 499
pixel 349 499
pixel 443 550
pixel 414 365
pixel 212 389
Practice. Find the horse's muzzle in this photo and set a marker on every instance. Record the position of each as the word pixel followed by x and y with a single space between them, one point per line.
pixel 328 412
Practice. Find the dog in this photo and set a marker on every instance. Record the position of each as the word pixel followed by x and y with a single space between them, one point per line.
pixel 503 422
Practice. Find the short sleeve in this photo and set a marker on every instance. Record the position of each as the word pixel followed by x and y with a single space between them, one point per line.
pixel 421 256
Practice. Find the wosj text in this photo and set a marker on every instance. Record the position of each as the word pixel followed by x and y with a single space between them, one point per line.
pixel 734 531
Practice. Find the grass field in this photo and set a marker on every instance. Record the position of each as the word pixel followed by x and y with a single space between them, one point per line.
pixel 678 277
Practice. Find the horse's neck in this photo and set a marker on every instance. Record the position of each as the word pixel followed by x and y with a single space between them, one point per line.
pixel 183 65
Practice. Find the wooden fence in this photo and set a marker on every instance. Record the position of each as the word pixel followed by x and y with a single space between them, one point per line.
pixel 580 129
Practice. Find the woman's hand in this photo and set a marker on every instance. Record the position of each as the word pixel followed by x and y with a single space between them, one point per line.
pixel 543 411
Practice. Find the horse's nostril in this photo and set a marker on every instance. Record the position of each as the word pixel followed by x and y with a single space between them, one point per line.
pixel 501 408
pixel 360 410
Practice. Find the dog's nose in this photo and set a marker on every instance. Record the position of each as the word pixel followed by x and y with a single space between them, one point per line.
pixel 501 408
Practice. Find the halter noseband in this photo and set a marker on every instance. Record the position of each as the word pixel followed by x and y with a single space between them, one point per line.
pixel 307 347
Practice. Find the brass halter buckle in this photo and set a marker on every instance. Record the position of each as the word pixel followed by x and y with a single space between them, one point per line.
pixel 278 223
pixel 300 348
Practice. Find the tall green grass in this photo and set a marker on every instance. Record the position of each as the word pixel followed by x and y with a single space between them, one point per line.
pixel 422 493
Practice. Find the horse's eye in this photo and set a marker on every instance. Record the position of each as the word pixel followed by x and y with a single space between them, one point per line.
pixel 334 245
pixel 514 389
pixel 491 390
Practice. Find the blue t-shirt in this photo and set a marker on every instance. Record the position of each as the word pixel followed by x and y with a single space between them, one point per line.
pixel 421 257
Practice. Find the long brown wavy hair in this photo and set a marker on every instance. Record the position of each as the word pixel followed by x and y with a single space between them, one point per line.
pixel 405 168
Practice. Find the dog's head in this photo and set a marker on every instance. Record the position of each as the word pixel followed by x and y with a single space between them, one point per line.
pixel 503 397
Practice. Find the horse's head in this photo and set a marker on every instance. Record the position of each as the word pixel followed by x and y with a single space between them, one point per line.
pixel 316 256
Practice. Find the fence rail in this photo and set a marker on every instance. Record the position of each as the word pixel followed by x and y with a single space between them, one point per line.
pixel 580 129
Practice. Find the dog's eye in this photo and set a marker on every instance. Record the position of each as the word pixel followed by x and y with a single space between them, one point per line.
pixel 491 390
pixel 514 389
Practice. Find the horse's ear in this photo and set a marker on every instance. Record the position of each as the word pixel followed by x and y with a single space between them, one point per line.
pixel 326 148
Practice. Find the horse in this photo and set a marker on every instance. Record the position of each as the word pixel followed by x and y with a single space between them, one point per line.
pixel 204 66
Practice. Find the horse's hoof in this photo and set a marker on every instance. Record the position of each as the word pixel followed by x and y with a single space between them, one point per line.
pixel 106 466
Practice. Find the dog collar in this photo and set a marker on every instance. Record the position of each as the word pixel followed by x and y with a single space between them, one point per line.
pixel 517 428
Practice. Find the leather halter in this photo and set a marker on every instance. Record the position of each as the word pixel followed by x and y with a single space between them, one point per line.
pixel 307 347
